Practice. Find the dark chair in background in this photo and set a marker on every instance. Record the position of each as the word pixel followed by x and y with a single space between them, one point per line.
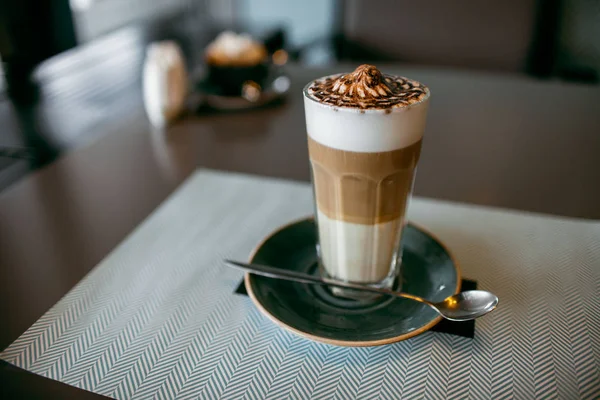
pixel 510 37
pixel 462 33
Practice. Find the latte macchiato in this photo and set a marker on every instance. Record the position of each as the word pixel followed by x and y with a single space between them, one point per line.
pixel 364 140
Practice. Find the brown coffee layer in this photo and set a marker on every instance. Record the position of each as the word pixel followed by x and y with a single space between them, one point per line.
pixel 363 188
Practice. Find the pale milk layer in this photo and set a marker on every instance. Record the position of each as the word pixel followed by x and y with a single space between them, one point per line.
pixel 358 252
pixel 369 131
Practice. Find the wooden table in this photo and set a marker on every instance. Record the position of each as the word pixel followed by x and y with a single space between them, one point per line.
pixel 501 141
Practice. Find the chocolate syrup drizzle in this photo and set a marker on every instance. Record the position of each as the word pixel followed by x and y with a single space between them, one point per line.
pixel 368 88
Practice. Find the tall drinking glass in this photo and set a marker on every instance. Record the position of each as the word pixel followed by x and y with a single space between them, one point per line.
pixel 364 140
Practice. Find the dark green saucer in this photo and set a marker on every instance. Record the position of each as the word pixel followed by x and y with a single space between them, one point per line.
pixel 311 311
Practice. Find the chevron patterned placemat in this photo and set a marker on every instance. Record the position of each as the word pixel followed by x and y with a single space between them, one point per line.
pixel 157 318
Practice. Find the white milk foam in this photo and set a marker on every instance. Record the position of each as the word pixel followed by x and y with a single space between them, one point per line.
pixel 369 132
pixel 359 252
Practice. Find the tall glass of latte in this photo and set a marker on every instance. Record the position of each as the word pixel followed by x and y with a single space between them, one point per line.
pixel 364 140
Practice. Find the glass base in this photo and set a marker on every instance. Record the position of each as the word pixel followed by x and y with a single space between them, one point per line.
pixel 392 282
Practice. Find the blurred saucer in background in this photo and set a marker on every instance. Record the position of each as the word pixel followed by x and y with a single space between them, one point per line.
pixel 253 95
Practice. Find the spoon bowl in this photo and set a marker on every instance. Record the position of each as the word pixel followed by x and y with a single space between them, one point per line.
pixel 467 305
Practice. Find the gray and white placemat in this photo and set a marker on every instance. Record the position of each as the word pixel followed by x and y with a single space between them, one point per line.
pixel 157 318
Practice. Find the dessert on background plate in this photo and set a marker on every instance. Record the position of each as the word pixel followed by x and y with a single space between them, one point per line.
pixel 235 59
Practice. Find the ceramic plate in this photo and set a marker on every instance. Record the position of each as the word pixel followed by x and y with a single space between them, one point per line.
pixel 311 311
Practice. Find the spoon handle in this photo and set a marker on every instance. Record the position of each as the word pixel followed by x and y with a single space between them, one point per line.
pixel 280 273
